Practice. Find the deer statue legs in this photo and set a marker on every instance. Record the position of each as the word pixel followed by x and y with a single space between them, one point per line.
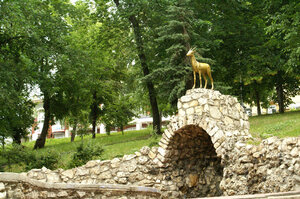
pixel 211 80
pixel 194 79
pixel 205 79
pixel 201 79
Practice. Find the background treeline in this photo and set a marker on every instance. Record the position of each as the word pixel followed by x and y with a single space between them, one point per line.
pixel 111 59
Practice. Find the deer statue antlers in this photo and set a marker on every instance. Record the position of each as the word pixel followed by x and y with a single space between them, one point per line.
pixel 201 68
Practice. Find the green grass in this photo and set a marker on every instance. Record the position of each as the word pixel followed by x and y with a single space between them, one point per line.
pixel 280 125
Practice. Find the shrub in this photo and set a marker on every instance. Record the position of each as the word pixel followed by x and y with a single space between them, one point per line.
pixel 48 159
pixel 84 153
pixel 11 155
pixel 18 154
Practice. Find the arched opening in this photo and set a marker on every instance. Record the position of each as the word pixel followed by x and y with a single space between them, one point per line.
pixel 197 170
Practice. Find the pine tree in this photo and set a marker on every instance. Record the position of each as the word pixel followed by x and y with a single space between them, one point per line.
pixel 175 37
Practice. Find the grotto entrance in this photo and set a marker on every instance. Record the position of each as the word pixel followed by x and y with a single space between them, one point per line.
pixel 195 162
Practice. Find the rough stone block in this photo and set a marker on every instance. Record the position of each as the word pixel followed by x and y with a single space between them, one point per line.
pixel 151 155
pixel 62 194
pixel 142 160
pixel 81 194
pixel 295 152
pixel 3 195
pixel 163 145
pixel 168 133
pixel 128 157
pixel 82 171
pixel 51 195
pixel 105 175
pixel 161 158
pixel 53 177
pixel 190 111
pixel 145 150
pixel 2 186
pixel 91 163
pixel 179 105
pixel 186 98
pixel 68 173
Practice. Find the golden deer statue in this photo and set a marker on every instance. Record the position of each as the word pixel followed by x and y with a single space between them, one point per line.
pixel 201 68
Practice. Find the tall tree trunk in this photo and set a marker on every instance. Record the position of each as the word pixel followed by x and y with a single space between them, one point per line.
pixel 279 91
pixel 122 129
pixel 257 99
pixel 140 48
pixel 94 114
pixel 74 131
pixel 40 142
pixel 150 86
pixel 17 136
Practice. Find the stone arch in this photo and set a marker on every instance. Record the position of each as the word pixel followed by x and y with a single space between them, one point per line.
pixel 199 138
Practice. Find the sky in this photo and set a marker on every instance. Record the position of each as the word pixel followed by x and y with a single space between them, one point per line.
pixel 73 1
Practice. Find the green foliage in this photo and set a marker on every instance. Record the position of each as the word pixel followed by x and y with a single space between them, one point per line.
pixel 84 153
pixel 176 34
pixel 17 154
pixel 48 159
pixel 118 113
pixel 15 107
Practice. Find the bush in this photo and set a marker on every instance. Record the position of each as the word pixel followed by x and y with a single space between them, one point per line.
pixel 18 154
pixel 11 155
pixel 48 159
pixel 84 153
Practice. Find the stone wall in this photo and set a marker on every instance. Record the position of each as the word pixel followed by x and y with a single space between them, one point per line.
pixel 272 166
pixel 203 152
pixel 139 169
pixel 18 186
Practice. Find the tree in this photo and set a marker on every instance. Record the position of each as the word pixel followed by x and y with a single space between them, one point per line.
pixel 16 107
pixel 46 49
pixel 118 113
pixel 179 31
pixel 283 47
pixel 131 11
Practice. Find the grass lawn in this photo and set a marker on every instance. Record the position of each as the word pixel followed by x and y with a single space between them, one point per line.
pixel 280 125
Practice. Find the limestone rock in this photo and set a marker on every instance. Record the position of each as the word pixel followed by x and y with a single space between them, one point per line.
pixel 295 152
pixel 53 178
pixel 2 186
pixel 215 112
pixel 128 157
pixel 62 194
pixel 145 150
pixel 142 159
pixel 151 155
pixel 115 163
pixel 68 173
pixel 186 98
pixel 2 195
pixel 82 171
pixel 192 180
pixel 51 195
pixel 81 193
pixel 105 175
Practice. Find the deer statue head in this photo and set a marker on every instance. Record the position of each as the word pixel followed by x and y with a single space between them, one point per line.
pixel 191 52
